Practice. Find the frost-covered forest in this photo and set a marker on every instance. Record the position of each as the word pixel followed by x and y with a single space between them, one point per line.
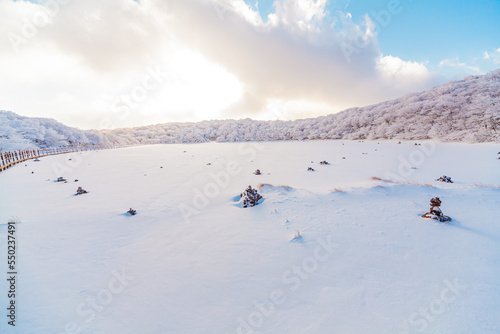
pixel 20 132
pixel 466 110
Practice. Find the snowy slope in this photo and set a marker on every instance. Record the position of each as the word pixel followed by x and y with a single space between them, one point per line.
pixel 23 133
pixel 191 263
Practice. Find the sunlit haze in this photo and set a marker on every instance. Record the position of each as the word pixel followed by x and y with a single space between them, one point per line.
pixel 121 63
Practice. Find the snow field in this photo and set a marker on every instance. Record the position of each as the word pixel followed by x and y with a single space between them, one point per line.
pixel 192 261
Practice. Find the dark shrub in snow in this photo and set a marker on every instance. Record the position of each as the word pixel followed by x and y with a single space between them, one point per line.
pixel 250 197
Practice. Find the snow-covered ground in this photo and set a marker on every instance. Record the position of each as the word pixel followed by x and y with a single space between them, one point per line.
pixel 193 261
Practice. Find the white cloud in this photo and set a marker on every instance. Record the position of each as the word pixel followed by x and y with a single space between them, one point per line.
pixel 492 56
pixel 306 15
pixel 452 63
pixel 240 7
pixel 230 62
pixel 458 64
pixel 403 74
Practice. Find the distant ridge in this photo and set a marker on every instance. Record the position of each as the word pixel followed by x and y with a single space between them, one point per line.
pixel 467 110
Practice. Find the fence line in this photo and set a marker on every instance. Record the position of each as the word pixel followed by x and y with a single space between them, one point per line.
pixel 9 159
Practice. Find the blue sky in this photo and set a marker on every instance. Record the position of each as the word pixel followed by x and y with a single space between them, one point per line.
pixel 426 30
pixel 122 63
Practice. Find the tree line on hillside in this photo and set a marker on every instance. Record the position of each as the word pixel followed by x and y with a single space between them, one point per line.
pixel 466 110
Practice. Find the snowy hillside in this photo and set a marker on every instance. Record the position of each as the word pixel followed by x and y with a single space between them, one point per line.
pixel 22 133
pixel 193 261
pixel 467 110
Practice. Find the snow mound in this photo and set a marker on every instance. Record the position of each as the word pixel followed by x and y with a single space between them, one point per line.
pixel 268 188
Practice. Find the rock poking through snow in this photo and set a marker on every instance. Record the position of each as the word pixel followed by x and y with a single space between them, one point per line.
pixel 435 212
pixel 80 191
pixel 445 179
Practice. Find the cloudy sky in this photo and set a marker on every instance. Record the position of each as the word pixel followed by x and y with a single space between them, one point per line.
pixel 121 63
